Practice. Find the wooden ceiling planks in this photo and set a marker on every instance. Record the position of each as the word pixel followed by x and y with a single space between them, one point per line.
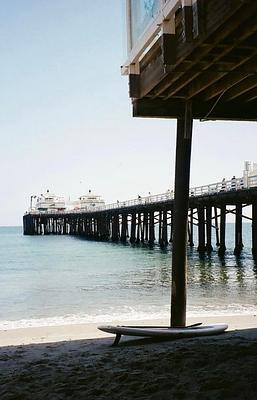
pixel 220 65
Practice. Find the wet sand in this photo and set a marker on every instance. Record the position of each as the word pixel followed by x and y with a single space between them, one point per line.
pixel 218 367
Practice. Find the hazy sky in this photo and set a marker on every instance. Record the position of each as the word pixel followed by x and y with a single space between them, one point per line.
pixel 65 114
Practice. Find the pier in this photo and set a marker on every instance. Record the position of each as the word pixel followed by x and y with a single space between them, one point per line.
pixel 187 59
pixel 193 59
pixel 149 220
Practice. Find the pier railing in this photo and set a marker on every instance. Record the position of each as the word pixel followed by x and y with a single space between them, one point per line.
pixel 234 184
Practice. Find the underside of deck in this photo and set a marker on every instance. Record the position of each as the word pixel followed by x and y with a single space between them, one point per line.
pixel 210 60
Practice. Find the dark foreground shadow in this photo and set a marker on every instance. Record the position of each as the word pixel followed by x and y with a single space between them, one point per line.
pixel 215 367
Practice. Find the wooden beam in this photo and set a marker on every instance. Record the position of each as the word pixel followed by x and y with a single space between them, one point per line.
pixel 173 108
pixel 192 51
pixel 247 84
pixel 232 78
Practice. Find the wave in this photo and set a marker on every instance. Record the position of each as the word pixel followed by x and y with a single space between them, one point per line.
pixel 128 314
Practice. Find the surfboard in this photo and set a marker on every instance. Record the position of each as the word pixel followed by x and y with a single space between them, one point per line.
pixel 165 331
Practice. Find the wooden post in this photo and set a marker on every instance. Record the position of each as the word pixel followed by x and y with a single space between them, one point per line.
pixel 151 228
pixel 182 174
pixel 115 228
pixel 160 228
pixel 133 228
pixel 124 223
pixel 171 226
pixel 216 226
pixel 164 228
pixel 191 224
pixel 106 227
pixel 222 247
pixel 64 231
pixel 146 226
pixel 208 229
pixel 138 227
pixel 201 229
pixel 254 229
pixel 238 230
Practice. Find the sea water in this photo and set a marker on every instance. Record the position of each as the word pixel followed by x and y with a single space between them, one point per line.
pixel 57 280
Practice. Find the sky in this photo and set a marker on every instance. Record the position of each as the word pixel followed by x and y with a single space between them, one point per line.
pixel 66 118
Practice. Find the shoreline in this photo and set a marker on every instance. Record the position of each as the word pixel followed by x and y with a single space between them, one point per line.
pixel 62 333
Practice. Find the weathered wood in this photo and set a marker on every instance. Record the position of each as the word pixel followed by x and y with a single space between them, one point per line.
pixel 138 227
pixel 201 229
pixel 222 247
pixel 151 228
pixel 160 227
pixel 173 108
pixel 145 226
pixel 216 226
pixel 187 24
pixel 168 48
pixel 209 247
pixel 164 229
pixel 182 173
pixel 238 230
pixel 124 226
pixel 191 224
pixel 115 228
pixel 133 228
pixel 254 228
pixel 171 226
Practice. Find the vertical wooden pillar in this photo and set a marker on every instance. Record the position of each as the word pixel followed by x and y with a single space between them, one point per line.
pixel 146 226
pixel 28 225
pixel 64 226
pixel 238 230
pixel 201 229
pixel 133 228
pixel 216 226
pixel 222 247
pixel 151 228
pixel 97 227
pixel 254 229
pixel 171 226
pixel 138 227
pixel 106 227
pixel 124 223
pixel 160 228
pixel 87 230
pixel 54 226
pixel 115 228
pixel 208 229
pixel 191 225
pixel 164 229
pixel 182 174
pixel 142 228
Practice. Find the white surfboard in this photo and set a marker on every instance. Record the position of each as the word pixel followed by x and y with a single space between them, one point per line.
pixel 164 332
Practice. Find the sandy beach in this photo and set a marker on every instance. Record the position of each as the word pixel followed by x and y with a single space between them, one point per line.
pixel 77 362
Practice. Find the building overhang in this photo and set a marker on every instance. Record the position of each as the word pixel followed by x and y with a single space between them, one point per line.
pixel 206 53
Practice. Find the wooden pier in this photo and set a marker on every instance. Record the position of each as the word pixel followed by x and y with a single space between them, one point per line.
pixel 193 59
pixel 150 221
pixel 187 59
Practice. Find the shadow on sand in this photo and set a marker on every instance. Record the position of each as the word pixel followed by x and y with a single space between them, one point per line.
pixel 215 367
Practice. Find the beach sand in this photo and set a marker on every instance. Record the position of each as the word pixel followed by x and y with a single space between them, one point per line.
pixel 77 362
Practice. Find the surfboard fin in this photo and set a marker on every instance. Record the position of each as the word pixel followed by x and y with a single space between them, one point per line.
pixel 117 339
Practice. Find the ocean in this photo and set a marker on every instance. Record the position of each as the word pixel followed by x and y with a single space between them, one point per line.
pixel 59 280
